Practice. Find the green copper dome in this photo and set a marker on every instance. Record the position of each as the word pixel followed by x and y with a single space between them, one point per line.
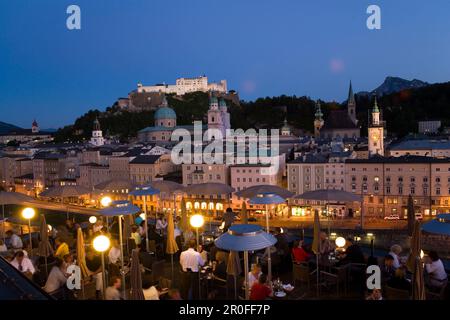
pixel 165 113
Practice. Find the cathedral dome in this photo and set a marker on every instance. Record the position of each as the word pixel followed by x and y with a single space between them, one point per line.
pixel 165 113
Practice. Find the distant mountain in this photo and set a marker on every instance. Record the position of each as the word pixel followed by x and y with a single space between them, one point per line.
pixel 394 84
pixel 7 127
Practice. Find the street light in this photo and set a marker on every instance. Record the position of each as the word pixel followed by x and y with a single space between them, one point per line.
pixel 197 222
pixel 92 219
pixel 105 202
pixel 340 242
pixel 101 243
pixel 29 213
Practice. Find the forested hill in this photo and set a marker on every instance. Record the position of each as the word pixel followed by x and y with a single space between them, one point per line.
pixel 401 110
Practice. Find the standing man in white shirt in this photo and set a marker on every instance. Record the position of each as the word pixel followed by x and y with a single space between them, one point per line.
pixel 14 240
pixel 23 264
pixel 190 261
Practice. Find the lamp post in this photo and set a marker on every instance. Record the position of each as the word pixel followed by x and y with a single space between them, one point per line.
pixel 101 244
pixel 29 213
pixel 197 222
pixel 105 202
pixel 92 219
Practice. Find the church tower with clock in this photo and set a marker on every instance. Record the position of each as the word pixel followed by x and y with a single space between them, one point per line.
pixel 376 132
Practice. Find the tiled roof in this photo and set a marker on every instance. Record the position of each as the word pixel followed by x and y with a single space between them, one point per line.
pixel 338 119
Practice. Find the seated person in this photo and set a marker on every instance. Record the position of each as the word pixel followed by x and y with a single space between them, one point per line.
pixel 23 263
pixel 135 235
pixel 253 275
pixel 203 253
pixel 353 254
pixel 220 270
pixel 151 292
pixel 299 254
pixel 14 240
pixel 436 275
pixel 260 290
pixel 68 261
pixel 62 249
pixel 112 292
pixel 399 280
pixel 94 264
pixel 387 269
pixel 3 247
pixel 56 278
pixel 375 294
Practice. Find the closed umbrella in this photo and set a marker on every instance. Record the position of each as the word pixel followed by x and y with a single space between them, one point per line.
pixel 316 245
pixel 411 216
pixel 136 277
pixel 172 246
pixel 234 268
pixel 245 237
pixel 45 249
pixel 184 220
pixel 244 213
pixel 414 264
pixel 11 198
pixel 81 257
pixel 120 208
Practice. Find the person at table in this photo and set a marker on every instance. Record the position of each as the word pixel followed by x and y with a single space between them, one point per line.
pixel 98 226
pixel 68 261
pixel 375 294
pixel 299 254
pixel 228 219
pixel 254 274
pixel 94 264
pixel 71 228
pixel 387 269
pixel 114 256
pixel 190 261
pixel 188 235
pixel 436 277
pixel 3 247
pixel 220 271
pixel 161 225
pixel 353 254
pixel 15 241
pixel 57 278
pixel 135 235
pixel 395 253
pixel 203 253
pixel 325 244
pixel 112 292
pixel 62 248
pixel 399 281
pixel 151 292
pixel 23 263
pixel 260 289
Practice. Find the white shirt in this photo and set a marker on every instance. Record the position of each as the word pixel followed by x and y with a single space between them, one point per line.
pixel 56 279
pixel 16 242
pixel 436 270
pixel 160 225
pixel 191 259
pixel 151 293
pixel 176 232
pixel 252 279
pixel 114 255
pixel 112 293
pixel 27 265
pixel 396 260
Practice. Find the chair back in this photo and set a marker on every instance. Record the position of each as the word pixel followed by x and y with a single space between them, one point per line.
pixel 300 272
pixel 396 294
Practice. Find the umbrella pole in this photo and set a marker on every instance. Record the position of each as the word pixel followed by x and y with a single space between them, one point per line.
pixel 199 273
pixel 171 261
pixel 3 223
pixel 235 287
pixel 317 275
pixel 269 258
pixel 121 257
pixel 247 295
pixel 147 243
pixel 103 275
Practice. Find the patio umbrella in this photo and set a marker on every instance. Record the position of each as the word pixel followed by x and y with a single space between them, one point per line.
pixel 267 199
pixel 11 198
pixel 414 264
pixel 264 188
pixel 411 216
pixel 439 225
pixel 120 208
pixel 144 192
pixel 168 187
pixel 244 213
pixel 171 247
pixel 245 237
pixel 136 277
pixel 115 185
pixel 184 221
pixel 234 268
pixel 316 245
pixel 210 188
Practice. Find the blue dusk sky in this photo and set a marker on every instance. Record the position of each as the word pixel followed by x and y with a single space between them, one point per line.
pixel 262 48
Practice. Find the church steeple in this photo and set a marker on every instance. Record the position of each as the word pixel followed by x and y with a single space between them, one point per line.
pixel 318 121
pixel 351 104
